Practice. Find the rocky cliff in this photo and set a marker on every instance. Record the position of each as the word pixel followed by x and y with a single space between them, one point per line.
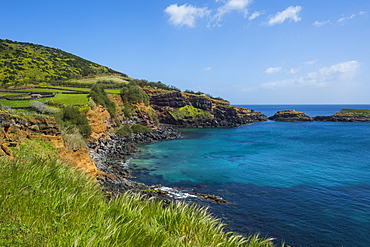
pixel 15 130
pixel 198 111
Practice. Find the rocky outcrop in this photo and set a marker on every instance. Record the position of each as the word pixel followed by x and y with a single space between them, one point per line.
pixel 334 118
pixel 15 130
pixel 110 157
pixel 45 126
pixel 291 116
pixel 347 115
pixel 221 113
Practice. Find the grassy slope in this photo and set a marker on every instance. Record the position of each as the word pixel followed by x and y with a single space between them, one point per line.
pixel 45 203
pixel 22 63
pixel 354 112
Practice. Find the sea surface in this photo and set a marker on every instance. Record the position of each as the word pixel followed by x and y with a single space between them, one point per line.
pixel 307 184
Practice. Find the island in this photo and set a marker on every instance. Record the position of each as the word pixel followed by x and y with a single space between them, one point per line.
pixel 291 116
pixel 347 115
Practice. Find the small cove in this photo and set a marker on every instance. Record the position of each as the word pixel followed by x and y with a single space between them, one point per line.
pixel 305 183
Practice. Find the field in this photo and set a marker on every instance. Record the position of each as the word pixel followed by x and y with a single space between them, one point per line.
pixel 63 94
pixel 92 80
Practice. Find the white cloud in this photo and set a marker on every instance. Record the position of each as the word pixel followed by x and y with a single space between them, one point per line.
pixel 293 71
pixel 345 70
pixel 341 73
pixel 311 62
pixel 346 18
pixel 272 70
pixel 185 14
pixel 291 13
pixel 207 69
pixel 320 23
pixel 255 15
pixel 230 6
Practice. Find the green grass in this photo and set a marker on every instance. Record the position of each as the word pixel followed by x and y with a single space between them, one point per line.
pixel 71 99
pixel 47 90
pixel 189 112
pixel 93 80
pixel 45 203
pixel 357 112
pixel 20 103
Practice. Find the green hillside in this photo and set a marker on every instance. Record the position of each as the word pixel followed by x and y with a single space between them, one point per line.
pixel 25 63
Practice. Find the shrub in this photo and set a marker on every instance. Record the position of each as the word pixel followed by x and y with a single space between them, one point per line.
pixel 127 110
pixel 124 130
pixel 133 94
pixel 42 108
pixel 73 116
pixel 73 138
pixel 127 130
pixel 91 104
pixel 100 97
pixel 138 128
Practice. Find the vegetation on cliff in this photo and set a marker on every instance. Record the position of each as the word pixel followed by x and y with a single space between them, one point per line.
pixel 100 97
pixel 131 93
pixel 45 203
pixel 189 113
pixel 24 63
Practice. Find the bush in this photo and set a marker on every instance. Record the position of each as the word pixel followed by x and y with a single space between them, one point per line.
pixel 138 128
pixel 72 115
pixel 133 94
pixel 100 97
pixel 124 130
pixel 127 130
pixel 127 110
pixel 73 138
pixel 42 108
pixel 91 104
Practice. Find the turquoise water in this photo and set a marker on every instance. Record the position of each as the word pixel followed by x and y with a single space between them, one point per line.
pixel 307 184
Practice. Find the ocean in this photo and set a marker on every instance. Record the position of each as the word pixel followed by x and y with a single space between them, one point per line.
pixel 305 184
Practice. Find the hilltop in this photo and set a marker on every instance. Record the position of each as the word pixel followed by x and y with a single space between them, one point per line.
pixel 24 63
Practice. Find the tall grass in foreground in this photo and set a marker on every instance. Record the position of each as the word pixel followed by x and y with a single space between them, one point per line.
pixel 43 202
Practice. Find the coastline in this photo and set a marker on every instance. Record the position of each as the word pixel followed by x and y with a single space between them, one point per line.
pixel 111 155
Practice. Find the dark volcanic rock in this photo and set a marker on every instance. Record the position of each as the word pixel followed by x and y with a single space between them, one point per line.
pixel 221 113
pixel 291 116
pixel 110 156
pixel 335 118
pixel 347 115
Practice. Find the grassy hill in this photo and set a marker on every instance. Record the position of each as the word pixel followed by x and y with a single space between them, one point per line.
pixel 25 63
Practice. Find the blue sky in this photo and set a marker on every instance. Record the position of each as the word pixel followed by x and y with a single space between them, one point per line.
pixel 249 52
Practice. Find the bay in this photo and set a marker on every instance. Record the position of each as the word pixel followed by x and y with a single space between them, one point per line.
pixel 307 184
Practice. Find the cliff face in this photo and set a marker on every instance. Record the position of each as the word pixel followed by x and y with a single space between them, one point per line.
pixel 199 111
pixel 14 130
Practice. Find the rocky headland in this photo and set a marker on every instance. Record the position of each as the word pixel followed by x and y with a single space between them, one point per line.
pixel 187 110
